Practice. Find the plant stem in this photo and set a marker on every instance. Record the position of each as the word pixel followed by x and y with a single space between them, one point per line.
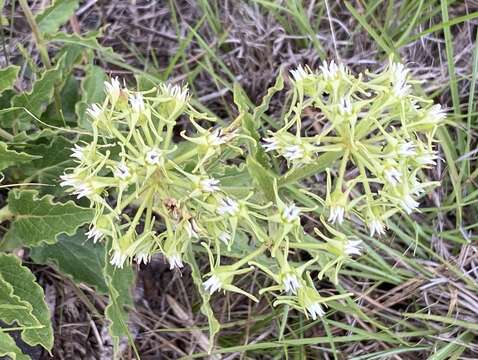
pixel 169 136
pixel 5 214
pixel 251 256
pixel 343 167
pixel 40 43
pixel 184 156
pixel 36 33
pixel 6 135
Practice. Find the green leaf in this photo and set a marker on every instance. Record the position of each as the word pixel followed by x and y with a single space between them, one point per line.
pixel 8 76
pixel 240 98
pixel 5 102
pixel 37 100
pixel 40 220
pixel 443 319
pixel 9 348
pixel 11 157
pixel 119 282
pixel 89 41
pixel 262 108
pixel 29 106
pixel 263 177
pixel 25 291
pixel 242 102
pixel 69 96
pixel 24 137
pixel 55 156
pixel 92 91
pixel 323 162
pixel 454 349
pixel 56 15
pixel 249 125
pixel 13 308
pixel 206 309
pixel 73 256
pixel 70 55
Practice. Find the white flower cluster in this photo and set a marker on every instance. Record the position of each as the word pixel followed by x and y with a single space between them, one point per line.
pixel 153 194
pixel 132 156
pixel 382 134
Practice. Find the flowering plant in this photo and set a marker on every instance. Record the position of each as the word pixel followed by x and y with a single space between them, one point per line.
pixel 154 192
pixel 382 135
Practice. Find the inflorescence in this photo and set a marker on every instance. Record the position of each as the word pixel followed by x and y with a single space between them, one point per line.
pixel 155 194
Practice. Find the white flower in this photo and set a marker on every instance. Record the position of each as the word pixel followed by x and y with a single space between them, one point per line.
pixel 214 138
pixel 315 310
pixel 113 89
pixel 142 257
pixel 345 106
pixel 352 247
pixel 219 137
pixel 407 149
pixel 209 185
pixel 80 187
pixel 425 159
pixel 408 203
pixel 192 229
pixel 225 237
pixel 291 213
pixel 83 190
pixel 94 111
pixel 180 94
pixel 376 227
pixel 291 283
pixel 416 187
pixel 336 214
pixel 392 175
pixel 436 113
pixel 399 79
pixel 300 73
pixel 70 180
pixel 228 206
pixel 175 262
pixel 78 152
pixel 212 284
pixel 330 71
pixel 94 233
pixel 270 144
pixel 137 103
pixel 293 152
pixel 122 171
pixel 153 157
pixel 118 259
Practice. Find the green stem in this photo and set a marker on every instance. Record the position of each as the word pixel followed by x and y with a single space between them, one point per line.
pixel 297 174
pixel 40 43
pixel 169 136
pixel 141 208
pixel 308 246
pixel 185 156
pixel 365 183
pixel 251 256
pixel 124 141
pixel 149 212
pixel 147 134
pixel 343 167
pixel 36 33
pixel 6 135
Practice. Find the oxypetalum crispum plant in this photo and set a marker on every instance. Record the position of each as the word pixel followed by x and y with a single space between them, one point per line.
pixel 153 194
